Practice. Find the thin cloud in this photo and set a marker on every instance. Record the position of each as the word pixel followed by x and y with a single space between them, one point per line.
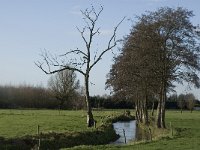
pixel 106 32
pixel 75 10
pixel 156 1
pixel 78 13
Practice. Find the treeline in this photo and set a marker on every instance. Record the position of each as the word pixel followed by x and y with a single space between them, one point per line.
pixel 181 101
pixel 109 102
pixel 184 101
pixel 28 96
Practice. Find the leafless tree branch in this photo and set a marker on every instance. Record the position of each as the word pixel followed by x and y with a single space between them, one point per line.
pixel 110 45
pixel 76 51
pixel 40 65
pixel 87 33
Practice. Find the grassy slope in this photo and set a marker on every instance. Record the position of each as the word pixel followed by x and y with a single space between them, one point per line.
pixel 187 139
pixel 17 123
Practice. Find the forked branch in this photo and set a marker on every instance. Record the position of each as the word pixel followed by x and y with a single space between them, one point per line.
pixel 111 44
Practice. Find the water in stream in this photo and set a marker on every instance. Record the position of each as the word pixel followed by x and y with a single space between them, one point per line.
pixel 129 128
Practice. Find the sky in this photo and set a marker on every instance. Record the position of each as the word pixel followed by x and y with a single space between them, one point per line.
pixel 28 27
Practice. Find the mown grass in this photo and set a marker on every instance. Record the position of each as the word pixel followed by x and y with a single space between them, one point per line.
pixel 73 133
pixel 187 136
pixel 18 123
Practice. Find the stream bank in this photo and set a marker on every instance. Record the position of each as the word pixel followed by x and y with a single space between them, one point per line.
pixel 104 134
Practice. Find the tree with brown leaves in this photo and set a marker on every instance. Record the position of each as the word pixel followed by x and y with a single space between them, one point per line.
pixel 162 48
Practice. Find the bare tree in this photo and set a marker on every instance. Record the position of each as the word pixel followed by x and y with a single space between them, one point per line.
pixel 78 102
pixel 190 101
pixel 64 85
pixel 181 101
pixel 83 62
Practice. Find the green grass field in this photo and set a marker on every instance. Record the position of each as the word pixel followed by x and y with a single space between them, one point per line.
pixel 17 123
pixel 188 137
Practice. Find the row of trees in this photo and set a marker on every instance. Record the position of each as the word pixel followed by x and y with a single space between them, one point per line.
pixel 63 92
pixel 184 101
pixel 162 48
pixel 110 102
pixel 27 96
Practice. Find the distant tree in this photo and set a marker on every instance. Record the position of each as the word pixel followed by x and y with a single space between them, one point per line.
pixel 172 98
pixel 63 86
pixel 26 96
pixel 78 101
pixel 81 61
pixel 181 102
pixel 190 101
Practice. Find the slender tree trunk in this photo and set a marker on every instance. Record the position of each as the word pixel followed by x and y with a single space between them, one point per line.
pixel 152 109
pixel 163 109
pixel 90 119
pixel 137 110
pixel 141 111
pixel 145 114
pixel 145 111
pixel 158 120
pixel 60 106
pixel 59 109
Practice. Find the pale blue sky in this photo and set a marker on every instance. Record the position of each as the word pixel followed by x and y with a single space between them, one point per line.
pixel 29 26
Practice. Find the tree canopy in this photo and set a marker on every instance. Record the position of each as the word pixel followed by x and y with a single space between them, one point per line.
pixel 64 85
pixel 162 48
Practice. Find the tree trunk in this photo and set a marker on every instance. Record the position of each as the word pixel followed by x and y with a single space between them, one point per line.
pixel 158 120
pixel 60 106
pixel 145 111
pixel 145 115
pixel 137 110
pixel 152 109
pixel 140 108
pixel 90 119
pixel 163 109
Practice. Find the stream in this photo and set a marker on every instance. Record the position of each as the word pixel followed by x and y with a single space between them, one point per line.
pixel 125 128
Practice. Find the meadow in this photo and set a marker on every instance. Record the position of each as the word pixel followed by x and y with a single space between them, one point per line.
pixel 18 123
pixel 187 136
